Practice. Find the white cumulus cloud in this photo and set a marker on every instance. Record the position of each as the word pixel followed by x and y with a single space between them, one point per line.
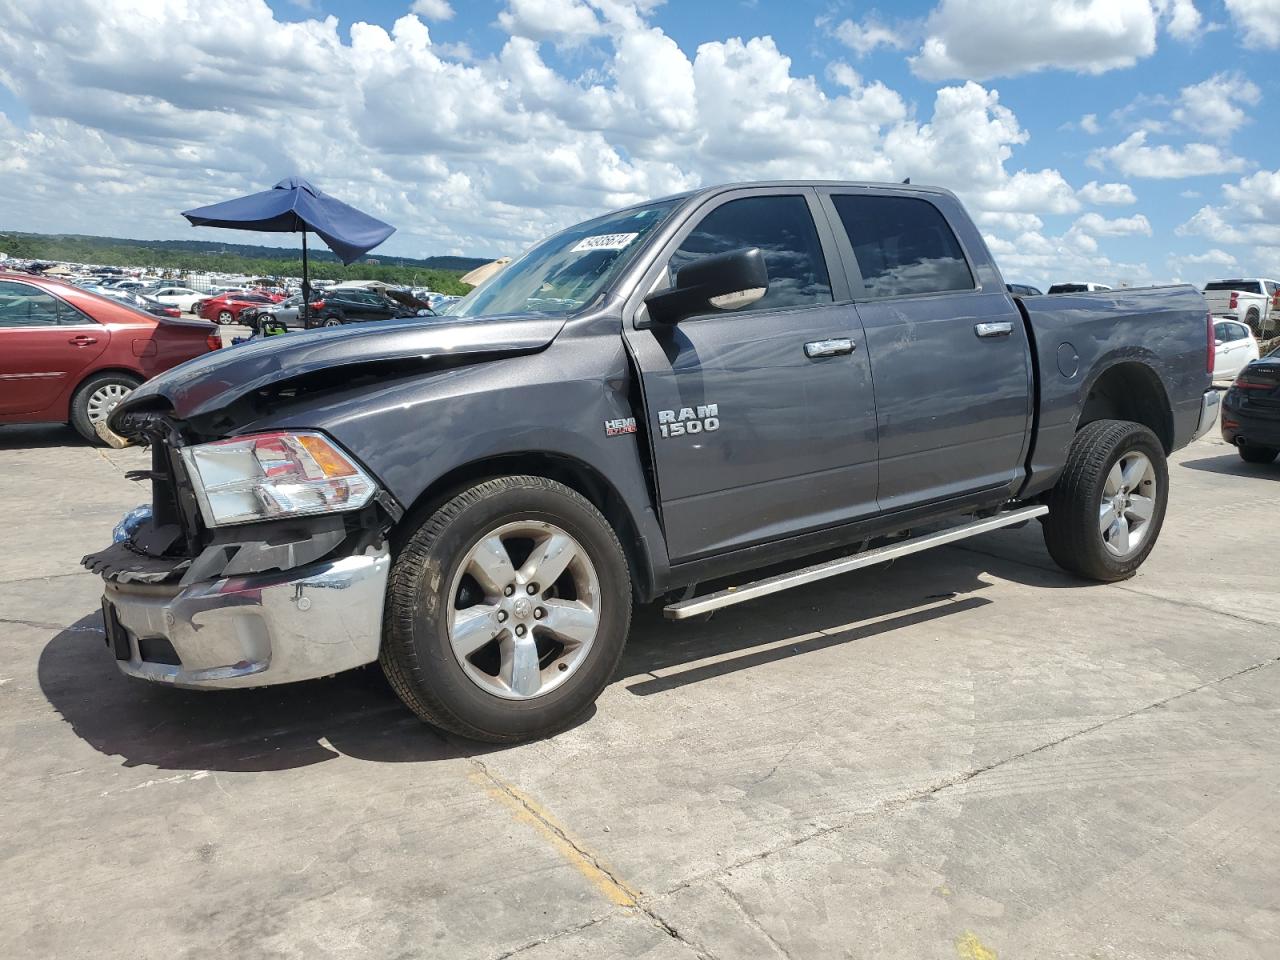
pixel 1097 225
pixel 1098 194
pixel 432 9
pixel 1257 22
pixel 866 36
pixel 1134 158
pixel 980 39
pixel 482 154
pixel 1213 107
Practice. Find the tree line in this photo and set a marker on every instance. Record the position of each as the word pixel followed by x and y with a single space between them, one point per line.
pixel 121 253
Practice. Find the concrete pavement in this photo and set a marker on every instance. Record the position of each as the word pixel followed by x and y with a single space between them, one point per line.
pixel 965 754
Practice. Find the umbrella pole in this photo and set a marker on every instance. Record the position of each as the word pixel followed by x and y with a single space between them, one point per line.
pixel 306 284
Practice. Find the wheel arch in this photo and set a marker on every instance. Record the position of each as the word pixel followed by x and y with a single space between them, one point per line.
pixel 1129 390
pixel 98 372
pixel 575 474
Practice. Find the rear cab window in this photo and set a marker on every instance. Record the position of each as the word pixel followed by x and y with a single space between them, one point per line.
pixel 903 246
pixel 1244 286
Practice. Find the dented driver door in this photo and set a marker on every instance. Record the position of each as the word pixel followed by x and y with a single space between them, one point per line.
pixel 761 420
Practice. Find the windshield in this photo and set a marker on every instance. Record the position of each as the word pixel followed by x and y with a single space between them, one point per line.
pixel 565 272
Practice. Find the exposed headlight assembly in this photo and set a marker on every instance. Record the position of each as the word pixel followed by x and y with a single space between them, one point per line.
pixel 263 476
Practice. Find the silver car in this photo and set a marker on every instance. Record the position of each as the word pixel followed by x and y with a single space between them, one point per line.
pixel 286 311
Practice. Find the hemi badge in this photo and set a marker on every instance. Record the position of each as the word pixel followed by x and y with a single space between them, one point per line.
pixel 616 428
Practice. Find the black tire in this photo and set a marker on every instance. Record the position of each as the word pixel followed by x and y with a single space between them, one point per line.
pixel 226 317
pixel 1253 320
pixel 331 322
pixel 80 414
pixel 416 654
pixel 1071 530
pixel 1252 454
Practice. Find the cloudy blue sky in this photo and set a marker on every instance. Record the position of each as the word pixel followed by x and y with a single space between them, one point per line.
pixel 1126 141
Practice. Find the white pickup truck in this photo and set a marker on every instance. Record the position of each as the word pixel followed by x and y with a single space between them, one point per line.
pixel 1256 302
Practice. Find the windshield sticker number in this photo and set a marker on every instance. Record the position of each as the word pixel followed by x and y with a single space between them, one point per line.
pixel 604 241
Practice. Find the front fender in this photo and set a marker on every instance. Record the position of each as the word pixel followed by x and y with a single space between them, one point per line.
pixel 412 432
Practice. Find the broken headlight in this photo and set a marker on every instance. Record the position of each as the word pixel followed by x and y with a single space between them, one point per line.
pixel 267 475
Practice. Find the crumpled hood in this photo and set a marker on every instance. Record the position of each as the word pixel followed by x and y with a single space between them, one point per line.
pixel 221 377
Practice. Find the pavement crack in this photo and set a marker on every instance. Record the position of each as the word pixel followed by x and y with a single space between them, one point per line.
pixel 751 920
pixel 38 624
pixel 956 780
pixel 1194 605
pixel 616 890
pixel 48 576
pixel 1125 586
pixel 968 775
pixel 550 938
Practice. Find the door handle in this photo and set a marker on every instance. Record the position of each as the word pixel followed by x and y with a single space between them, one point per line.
pixel 80 340
pixel 1001 328
pixel 828 348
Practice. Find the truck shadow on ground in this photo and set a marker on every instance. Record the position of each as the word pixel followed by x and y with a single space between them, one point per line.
pixel 356 714
pixel 1231 465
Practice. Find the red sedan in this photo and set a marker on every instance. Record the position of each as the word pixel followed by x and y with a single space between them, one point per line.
pixel 70 355
pixel 226 307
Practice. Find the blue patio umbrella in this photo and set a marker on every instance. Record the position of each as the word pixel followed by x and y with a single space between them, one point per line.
pixel 293 205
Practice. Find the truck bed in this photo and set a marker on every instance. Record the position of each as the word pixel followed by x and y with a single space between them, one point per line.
pixel 1075 337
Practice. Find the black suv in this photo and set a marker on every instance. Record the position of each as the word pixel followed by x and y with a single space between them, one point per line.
pixel 336 307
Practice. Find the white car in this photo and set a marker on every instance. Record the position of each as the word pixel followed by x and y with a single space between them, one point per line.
pixel 1254 301
pixel 1082 286
pixel 1234 348
pixel 181 297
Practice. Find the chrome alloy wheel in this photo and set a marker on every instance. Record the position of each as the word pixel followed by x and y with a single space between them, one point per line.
pixel 524 609
pixel 1128 504
pixel 103 400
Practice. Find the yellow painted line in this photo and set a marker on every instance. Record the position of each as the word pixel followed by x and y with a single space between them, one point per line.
pixel 969 947
pixel 529 811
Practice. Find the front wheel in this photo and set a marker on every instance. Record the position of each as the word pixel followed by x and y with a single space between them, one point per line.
pixel 507 611
pixel 1106 510
pixel 225 317
pixel 1252 454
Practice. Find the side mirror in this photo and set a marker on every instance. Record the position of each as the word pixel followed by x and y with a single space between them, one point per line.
pixel 725 281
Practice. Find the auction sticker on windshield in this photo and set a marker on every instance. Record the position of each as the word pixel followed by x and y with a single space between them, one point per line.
pixel 604 241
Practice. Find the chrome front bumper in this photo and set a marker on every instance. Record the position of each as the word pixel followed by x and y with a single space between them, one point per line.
pixel 1209 406
pixel 251 631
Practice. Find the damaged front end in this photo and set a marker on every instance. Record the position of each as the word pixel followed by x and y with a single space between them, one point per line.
pixel 263 559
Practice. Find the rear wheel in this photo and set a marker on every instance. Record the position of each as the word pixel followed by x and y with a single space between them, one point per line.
pixel 225 317
pixel 1252 454
pixel 331 322
pixel 1107 508
pixel 95 400
pixel 508 609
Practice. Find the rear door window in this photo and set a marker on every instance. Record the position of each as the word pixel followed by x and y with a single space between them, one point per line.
pixel 782 227
pixel 903 246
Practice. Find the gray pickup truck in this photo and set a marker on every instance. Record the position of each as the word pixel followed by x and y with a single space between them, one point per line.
pixel 643 407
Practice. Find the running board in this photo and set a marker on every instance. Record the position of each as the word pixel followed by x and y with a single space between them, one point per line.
pixel 833 568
